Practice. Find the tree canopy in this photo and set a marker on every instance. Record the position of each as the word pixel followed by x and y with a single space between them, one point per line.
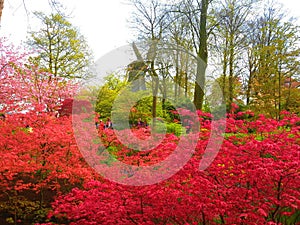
pixel 62 50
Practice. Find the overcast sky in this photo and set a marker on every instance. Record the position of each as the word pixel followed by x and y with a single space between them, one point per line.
pixel 102 22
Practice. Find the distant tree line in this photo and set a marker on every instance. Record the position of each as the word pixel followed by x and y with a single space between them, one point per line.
pixel 251 45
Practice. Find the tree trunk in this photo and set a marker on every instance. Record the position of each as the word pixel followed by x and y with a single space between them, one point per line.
pixel 287 103
pixel 231 80
pixel 176 76
pixel 279 92
pixel 154 98
pixel 202 55
pixel 164 94
pixel 1 8
pixel 225 62
pixel 199 85
pixel 250 79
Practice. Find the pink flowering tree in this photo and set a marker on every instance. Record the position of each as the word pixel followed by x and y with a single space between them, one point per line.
pixel 24 86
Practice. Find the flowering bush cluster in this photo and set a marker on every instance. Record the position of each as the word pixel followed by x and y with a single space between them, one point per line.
pixel 39 160
pixel 253 180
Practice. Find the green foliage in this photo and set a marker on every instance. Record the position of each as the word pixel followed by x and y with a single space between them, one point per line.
pixel 142 109
pixel 276 57
pixel 170 128
pixel 62 50
pixel 291 101
pixel 108 161
pixel 290 219
pixel 22 209
pixel 175 128
pixel 118 101
pixel 106 98
pixel 107 95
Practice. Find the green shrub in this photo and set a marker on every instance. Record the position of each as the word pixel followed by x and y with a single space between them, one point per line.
pixel 176 129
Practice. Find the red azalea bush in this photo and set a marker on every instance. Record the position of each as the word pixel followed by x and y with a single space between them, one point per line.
pixel 253 180
pixel 39 160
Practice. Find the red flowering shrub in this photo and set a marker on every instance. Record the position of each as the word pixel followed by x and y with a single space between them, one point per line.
pixel 39 159
pixel 253 180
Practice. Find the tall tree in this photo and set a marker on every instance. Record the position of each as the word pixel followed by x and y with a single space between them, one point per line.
pixel 150 21
pixel 274 59
pixel 232 16
pixel 63 51
pixel 179 37
pixel 191 9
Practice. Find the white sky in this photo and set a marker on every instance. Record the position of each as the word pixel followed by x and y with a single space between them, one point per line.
pixel 102 22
